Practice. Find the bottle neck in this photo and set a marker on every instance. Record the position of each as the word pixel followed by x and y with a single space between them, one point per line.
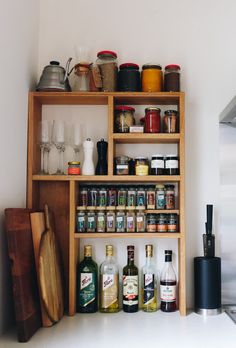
pixel 130 261
pixel 148 260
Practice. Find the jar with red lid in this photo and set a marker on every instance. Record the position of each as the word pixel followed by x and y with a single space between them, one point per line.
pixel 124 118
pixel 107 63
pixel 152 78
pixel 129 78
pixel 152 122
pixel 172 78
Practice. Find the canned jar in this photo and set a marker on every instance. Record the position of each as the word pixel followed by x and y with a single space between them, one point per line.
pixel 141 197
pixel 121 197
pixel 170 196
pixel 170 121
pixel 120 220
pixel 124 118
pixel 129 78
pixel 140 219
pixel 122 165
pixel 81 220
pixel 92 197
pixel 157 165
pixel 152 123
pixel 141 166
pixel 73 168
pixel 160 197
pixel 112 197
pixel 172 78
pixel 172 165
pixel 151 223
pixel 111 219
pixel 151 194
pixel 131 197
pixel 130 219
pixel 107 63
pixel 152 78
pixel 91 220
pixel 101 221
pixel 161 223
pixel 102 197
pixel 172 223
pixel 83 197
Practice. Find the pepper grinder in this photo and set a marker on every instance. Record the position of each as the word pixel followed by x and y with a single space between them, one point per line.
pixel 101 168
pixel 88 165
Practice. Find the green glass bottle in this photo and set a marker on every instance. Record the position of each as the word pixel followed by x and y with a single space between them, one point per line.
pixel 130 283
pixel 87 283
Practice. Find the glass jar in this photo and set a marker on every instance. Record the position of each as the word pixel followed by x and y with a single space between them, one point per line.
pixel 91 220
pixel 157 165
pixel 151 223
pixel 120 219
pixel 131 197
pixel 152 78
pixel 81 77
pixel 141 197
pixel 172 223
pixel 112 197
pixel 111 219
pixel 172 165
pixel 129 78
pixel 101 220
pixel 121 197
pixel 152 120
pixel 170 196
pixel 73 168
pixel 122 165
pixel 140 219
pixel 107 63
pixel 161 223
pixel 92 197
pixel 160 197
pixel 124 118
pixel 81 220
pixel 172 78
pixel 170 121
pixel 141 166
pixel 130 219
pixel 102 197
pixel 83 197
pixel 151 195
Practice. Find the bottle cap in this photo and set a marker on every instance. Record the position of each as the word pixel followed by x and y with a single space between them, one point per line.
pixel 88 250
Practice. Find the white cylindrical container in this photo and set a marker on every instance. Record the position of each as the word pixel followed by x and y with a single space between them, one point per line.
pixel 88 167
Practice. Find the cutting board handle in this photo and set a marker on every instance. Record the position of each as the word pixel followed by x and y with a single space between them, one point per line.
pixel 46 214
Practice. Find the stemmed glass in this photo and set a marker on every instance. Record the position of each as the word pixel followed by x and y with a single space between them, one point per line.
pixel 58 139
pixel 75 138
pixel 44 139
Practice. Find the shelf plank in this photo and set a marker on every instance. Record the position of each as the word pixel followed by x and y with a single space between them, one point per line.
pixel 128 235
pixel 162 211
pixel 144 138
pixel 107 178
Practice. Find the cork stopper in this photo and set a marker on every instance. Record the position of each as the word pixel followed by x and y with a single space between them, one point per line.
pixel 109 250
pixel 149 250
pixel 88 250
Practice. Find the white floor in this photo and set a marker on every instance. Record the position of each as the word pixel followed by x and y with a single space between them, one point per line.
pixel 133 330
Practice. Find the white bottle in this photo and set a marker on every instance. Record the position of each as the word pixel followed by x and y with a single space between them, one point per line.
pixel 88 167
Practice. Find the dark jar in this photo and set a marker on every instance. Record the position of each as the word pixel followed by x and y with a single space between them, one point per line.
pixel 129 78
pixel 152 120
pixel 170 121
pixel 157 165
pixel 172 165
pixel 172 78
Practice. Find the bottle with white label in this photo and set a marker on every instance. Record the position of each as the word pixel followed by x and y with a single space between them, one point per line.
pixel 87 283
pixel 168 285
pixel 149 290
pixel 109 283
pixel 130 283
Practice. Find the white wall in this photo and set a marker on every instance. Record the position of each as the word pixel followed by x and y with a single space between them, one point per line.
pixel 18 61
pixel 198 35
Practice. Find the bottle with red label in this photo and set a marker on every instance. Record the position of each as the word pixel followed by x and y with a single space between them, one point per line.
pixel 168 285
pixel 130 283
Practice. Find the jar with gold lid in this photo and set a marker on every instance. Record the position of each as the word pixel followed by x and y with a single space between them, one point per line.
pixel 141 166
pixel 152 78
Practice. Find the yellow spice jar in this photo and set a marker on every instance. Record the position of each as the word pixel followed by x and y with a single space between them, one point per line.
pixel 152 78
pixel 141 166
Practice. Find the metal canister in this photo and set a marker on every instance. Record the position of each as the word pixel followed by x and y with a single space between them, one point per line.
pixel 102 197
pixel 112 197
pixel 151 223
pixel 131 197
pixel 83 197
pixel 121 197
pixel 161 222
pixel 141 197
pixel 92 197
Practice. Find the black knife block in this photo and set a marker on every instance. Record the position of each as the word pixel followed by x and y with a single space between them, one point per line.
pixel 207 285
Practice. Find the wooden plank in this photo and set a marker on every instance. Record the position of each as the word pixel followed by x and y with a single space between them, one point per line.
pixel 110 135
pixel 72 251
pixel 128 235
pixel 107 178
pixel 144 138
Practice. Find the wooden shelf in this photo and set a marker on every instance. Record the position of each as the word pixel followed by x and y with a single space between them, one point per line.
pixel 162 211
pixel 107 178
pixel 145 138
pixel 128 235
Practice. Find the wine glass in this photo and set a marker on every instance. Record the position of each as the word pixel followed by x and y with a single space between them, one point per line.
pixel 44 139
pixel 75 138
pixel 58 139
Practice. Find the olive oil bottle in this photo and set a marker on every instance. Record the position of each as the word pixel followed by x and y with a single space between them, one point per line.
pixel 130 283
pixel 149 290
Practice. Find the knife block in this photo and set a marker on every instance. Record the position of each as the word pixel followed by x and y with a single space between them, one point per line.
pixel 207 285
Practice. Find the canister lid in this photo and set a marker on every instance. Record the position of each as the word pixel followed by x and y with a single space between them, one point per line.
pixel 81 208
pixel 111 207
pixel 107 53
pixel 73 163
pixel 153 109
pixel 169 112
pixel 172 66
pixel 171 155
pixel 158 155
pixel 151 66
pixel 132 66
pixel 124 108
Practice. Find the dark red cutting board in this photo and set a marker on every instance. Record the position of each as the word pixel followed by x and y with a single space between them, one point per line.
pixel 24 281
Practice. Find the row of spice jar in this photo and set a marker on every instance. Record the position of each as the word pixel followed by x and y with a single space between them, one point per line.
pixel 141 166
pixel 123 219
pixel 153 197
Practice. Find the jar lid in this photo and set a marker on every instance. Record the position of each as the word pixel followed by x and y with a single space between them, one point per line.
pixel 160 186
pixel 152 109
pixel 107 54
pixel 172 66
pixel 73 162
pixel 170 186
pixel 167 112
pixel 130 208
pixel 111 208
pixel 171 155
pixel 132 66
pixel 140 158
pixel 158 155
pixel 122 158
pixel 141 207
pixel 91 208
pixel 124 108
pixel 120 207
pixel 151 66
pixel 100 208
pixel 81 208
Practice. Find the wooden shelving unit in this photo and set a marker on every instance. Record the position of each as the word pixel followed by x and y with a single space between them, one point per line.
pixel 60 192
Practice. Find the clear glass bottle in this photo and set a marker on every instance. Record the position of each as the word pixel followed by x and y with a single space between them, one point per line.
pixel 130 219
pixel 140 219
pixel 149 290
pixel 130 283
pixel 87 283
pixel 120 219
pixel 109 283
pixel 111 219
pixel 168 285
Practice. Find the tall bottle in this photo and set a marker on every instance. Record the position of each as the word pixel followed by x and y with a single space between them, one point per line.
pixel 168 285
pixel 130 283
pixel 109 283
pixel 149 291
pixel 87 283
pixel 88 165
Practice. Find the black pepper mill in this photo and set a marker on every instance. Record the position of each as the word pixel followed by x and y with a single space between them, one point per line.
pixel 101 168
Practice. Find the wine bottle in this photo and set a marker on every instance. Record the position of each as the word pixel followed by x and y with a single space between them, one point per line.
pixel 149 291
pixel 109 283
pixel 130 283
pixel 87 279
pixel 168 285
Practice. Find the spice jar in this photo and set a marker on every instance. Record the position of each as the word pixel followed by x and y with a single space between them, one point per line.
pixel 172 223
pixel 151 223
pixel 130 219
pixel 151 194
pixel 152 120
pixel 92 197
pixel 141 197
pixel 111 219
pixel 152 78
pixel 91 220
pixel 141 166
pixel 112 197
pixel 140 219
pixel 122 165
pixel 170 121
pixel 124 118
pixel 83 197
pixel 129 78
pixel 172 78
pixel 161 223
pixel 172 165
pixel 81 220
pixel 102 197
pixel 101 220
pixel 170 196
pixel 121 197
pixel 160 197
pixel 157 165
pixel 107 63
pixel 131 197
pixel 73 168
pixel 120 219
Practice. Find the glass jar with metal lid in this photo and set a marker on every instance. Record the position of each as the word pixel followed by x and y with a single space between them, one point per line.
pixel 172 223
pixel 170 121
pixel 73 168
pixel 120 219
pixel 107 63
pixel 152 122
pixel 130 219
pixel 124 118
pixel 140 219
pixel 91 220
pixel 129 78
pixel 102 197
pixel 157 165
pixel 111 219
pixel 161 222
pixel 172 165
pixel 131 197
pixel 141 166
pixel 101 220
pixel 172 78
pixel 81 220
pixel 151 223
pixel 152 78
pixel 122 165
pixel 160 196
pixel 170 196
pixel 141 197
